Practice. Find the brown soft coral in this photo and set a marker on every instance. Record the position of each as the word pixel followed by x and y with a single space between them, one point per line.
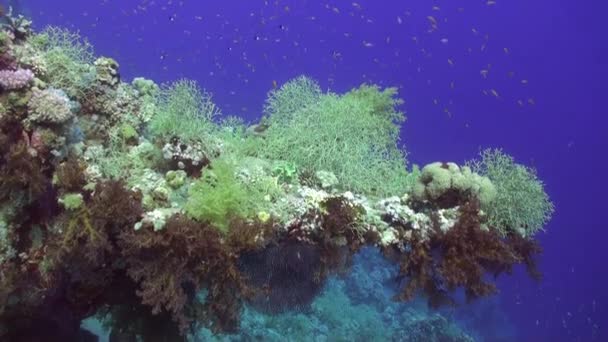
pixel 91 230
pixel 82 252
pixel 20 170
pixel 70 175
pixel 468 252
pixel 174 264
pixel 250 235
pixel 114 207
pixel 461 257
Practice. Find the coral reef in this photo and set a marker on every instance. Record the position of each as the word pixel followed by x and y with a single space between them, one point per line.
pixel 137 203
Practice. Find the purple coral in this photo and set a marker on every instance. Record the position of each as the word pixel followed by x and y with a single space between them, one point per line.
pixel 15 79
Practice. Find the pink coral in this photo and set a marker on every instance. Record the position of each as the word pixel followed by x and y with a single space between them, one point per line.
pixel 15 79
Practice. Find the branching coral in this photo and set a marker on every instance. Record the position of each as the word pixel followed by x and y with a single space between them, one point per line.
pixel 49 106
pixel 18 25
pixel 15 79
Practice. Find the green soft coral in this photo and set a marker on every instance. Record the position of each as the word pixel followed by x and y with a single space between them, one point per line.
pixel 521 203
pixel 218 196
pixel 67 59
pixel 354 136
pixel 185 111
pixel 72 201
pixel 285 171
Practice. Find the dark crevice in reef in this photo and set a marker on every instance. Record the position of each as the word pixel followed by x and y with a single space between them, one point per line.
pixel 287 276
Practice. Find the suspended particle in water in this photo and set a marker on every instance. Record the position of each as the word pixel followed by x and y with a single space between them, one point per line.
pixel 432 22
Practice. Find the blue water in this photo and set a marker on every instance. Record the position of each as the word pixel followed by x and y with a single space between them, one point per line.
pixel 541 100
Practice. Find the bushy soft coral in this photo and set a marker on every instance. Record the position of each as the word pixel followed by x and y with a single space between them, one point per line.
pixel 282 103
pixel 69 175
pixel 114 207
pixel 218 196
pixel 354 136
pixel 193 257
pixel 90 229
pixel 521 206
pixel 461 257
pixel 21 172
pixel 185 111
pixel 287 276
pixel 67 58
